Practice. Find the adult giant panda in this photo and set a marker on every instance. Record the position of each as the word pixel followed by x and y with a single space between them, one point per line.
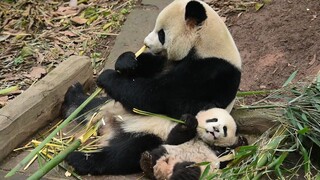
pixel 194 65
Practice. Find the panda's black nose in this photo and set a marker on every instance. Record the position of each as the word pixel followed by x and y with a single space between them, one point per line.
pixel 215 129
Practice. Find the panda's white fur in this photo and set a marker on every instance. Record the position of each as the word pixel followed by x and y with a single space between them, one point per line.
pixel 209 41
pixel 194 151
pixel 162 127
pixel 204 39
pixel 200 149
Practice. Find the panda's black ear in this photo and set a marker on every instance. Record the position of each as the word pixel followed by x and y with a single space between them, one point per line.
pixel 195 13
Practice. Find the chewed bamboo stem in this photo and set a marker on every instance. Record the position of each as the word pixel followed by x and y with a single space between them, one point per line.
pixel 141 50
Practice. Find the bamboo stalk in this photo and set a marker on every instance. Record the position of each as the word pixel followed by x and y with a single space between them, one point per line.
pixel 57 159
pixel 52 134
pixel 8 90
pixel 251 93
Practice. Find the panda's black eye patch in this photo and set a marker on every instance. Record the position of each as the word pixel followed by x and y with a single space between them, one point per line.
pixel 212 120
pixel 225 129
pixel 161 36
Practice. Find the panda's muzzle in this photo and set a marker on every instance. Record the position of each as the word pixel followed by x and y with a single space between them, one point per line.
pixel 212 133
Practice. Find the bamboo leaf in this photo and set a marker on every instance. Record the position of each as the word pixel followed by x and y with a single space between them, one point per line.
pixel 202 164
pixel 304 131
pixel 258 6
pixel 291 77
pixel 205 173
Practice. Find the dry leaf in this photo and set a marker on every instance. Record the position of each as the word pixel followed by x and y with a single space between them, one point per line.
pixel 39 57
pixel 3 100
pixel 60 50
pixel 4 37
pixel 224 19
pixel 36 72
pixel 63 11
pixel 27 11
pixel 73 3
pixel 79 20
pixel 68 33
pixel 313 59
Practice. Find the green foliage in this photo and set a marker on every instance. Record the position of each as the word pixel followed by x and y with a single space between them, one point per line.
pixel 299 130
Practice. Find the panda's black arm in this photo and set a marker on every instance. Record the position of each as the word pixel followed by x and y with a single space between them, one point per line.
pixel 149 64
pixel 145 65
pixel 187 88
pixel 182 133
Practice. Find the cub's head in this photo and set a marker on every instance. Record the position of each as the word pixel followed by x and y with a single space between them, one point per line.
pixel 219 127
pixel 184 25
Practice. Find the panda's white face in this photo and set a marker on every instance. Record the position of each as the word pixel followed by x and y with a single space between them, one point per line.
pixel 219 127
pixel 178 29
pixel 172 36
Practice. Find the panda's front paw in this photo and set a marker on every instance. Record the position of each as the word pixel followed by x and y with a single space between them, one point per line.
pixel 190 121
pixel 79 162
pixel 126 64
pixel 106 79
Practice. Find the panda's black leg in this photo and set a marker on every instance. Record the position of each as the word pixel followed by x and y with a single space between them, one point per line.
pixel 185 171
pixel 148 160
pixel 121 157
pixel 74 97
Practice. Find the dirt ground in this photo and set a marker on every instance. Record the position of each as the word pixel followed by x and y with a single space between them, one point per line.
pixel 283 36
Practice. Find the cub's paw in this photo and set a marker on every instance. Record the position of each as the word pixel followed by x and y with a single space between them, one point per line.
pixel 164 167
pixel 146 164
pixel 126 64
pixel 80 162
pixel 149 159
pixel 191 121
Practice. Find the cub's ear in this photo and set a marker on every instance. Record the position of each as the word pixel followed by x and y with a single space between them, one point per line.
pixel 195 13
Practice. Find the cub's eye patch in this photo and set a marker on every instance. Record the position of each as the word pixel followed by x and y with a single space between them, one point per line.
pixel 225 129
pixel 212 120
pixel 161 36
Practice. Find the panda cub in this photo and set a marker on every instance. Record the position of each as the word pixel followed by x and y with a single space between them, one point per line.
pixel 193 65
pixel 216 132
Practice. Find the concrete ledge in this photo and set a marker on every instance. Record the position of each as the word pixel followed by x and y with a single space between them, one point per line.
pixel 40 103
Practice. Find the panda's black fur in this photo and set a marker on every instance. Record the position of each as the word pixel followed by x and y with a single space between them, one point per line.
pixel 191 85
pixel 176 161
pixel 123 152
pixel 180 76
